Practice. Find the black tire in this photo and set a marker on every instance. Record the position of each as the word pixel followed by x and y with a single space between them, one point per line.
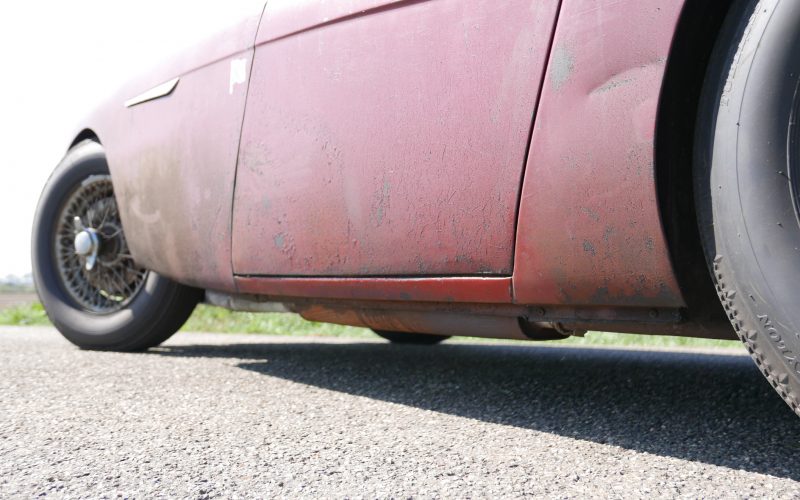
pixel 151 315
pixel 747 151
pixel 410 338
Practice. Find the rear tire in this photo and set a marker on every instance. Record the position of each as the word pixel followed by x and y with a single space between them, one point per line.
pixel 154 308
pixel 410 338
pixel 747 160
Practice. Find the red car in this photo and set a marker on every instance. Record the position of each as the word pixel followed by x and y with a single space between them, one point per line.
pixel 525 169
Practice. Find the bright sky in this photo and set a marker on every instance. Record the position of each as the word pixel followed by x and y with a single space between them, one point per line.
pixel 59 60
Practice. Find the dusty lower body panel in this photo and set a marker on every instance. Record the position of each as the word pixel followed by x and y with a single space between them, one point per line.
pixel 506 321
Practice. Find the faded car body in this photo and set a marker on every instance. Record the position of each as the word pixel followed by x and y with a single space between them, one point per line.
pixel 427 153
pixel 173 172
pixel 391 142
pixel 589 227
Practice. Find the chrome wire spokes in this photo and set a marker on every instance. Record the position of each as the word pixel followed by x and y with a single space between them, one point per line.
pixel 94 263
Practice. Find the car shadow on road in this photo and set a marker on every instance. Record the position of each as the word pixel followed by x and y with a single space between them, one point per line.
pixel 715 409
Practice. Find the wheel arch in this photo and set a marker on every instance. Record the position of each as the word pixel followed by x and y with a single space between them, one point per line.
pixel 85 134
pixel 697 32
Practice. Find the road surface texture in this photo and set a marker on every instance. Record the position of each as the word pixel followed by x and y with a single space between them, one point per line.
pixel 255 416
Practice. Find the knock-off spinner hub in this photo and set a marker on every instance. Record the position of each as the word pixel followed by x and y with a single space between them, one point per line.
pixel 92 256
pixel 87 244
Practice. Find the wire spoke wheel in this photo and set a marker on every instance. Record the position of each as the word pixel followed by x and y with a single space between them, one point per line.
pixel 92 256
pixel 90 286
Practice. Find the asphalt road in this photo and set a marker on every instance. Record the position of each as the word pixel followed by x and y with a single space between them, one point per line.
pixel 255 416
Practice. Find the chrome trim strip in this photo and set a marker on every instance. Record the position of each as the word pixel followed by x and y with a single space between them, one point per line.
pixel 162 90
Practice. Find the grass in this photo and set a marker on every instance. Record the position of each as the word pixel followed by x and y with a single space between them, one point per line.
pixel 24 315
pixel 214 319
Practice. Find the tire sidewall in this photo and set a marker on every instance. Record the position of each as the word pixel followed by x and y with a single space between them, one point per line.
pixel 114 330
pixel 755 251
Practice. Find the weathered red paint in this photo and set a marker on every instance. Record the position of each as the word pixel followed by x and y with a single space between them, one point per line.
pixel 384 142
pixel 589 230
pixel 431 322
pixel 173 160
pixel 387 138
pixel 176 180
pixel 454 289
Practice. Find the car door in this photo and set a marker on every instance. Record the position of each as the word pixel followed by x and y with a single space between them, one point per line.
pixel 387 138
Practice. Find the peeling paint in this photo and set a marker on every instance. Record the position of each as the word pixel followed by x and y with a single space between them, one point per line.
pixel 381 203
pixel 238 73
pixel 562 64
pixel 608 233
pixel 589 248
pixel 591 213
pixel 649 243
